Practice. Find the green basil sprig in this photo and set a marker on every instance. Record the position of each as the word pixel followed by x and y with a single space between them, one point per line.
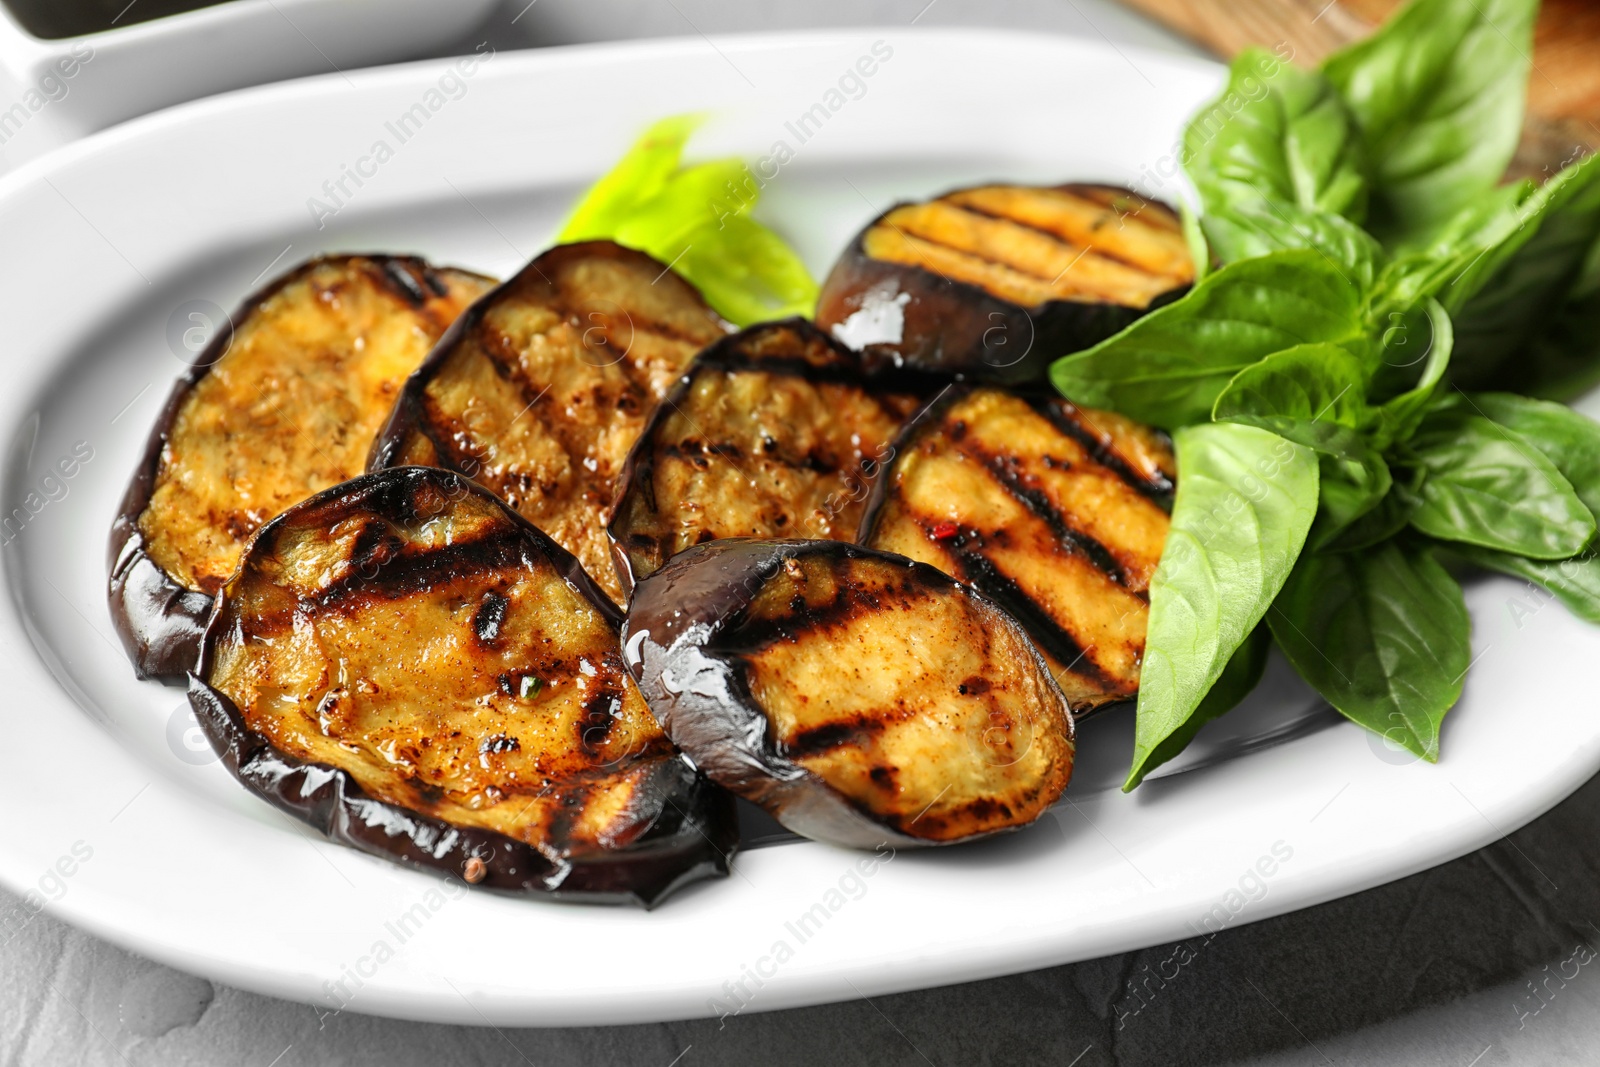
pixel 1370 269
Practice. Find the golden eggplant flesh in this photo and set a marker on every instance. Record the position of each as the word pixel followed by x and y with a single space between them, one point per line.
pixel 412 668
pixel 996 281
pixel 773 432
pixel 541 389
pixel 1056 512
pixel 279 406
pixel 860 698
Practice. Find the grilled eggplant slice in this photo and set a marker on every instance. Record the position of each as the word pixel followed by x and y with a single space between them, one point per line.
pixel 1056 512
pixel 410 667
pixel 859 697
pixel 996 281
pixel 540 390
pixel 283 404
pixel 773 432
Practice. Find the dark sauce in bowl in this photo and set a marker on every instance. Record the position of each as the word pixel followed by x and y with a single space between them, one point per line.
pixel 54 19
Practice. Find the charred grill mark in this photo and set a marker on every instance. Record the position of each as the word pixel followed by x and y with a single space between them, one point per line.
pixel 1158 489
pixel 435 283
pixel 830 367
pixel 639 323
pixel 1071 246
pixel 1066 247
pixel 755 634
pixel 374 546
pixel 504 360
pixel 730 360
pixel 426 570
pixel 453 451
pixel 813 461
pixel 980 809
pixel 979 571
pixel 695 452
pixel 490 617
pixel 1092 247
pixel 397 273
pixel 1005 473
pixel 857 730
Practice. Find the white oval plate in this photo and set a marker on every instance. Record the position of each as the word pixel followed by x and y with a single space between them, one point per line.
pixel 115 822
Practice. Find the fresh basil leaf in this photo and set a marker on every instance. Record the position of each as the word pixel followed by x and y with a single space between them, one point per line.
pixel 1516 286
pixel 1351 488
pixel 1569 439
pixel 638 176
pixel 1487 485
pixel 1243 231
pixel 1169 367
pixel 1378 524
pixel 1316 382
pixel 1244 503
pixel 1399 353
pixel 1328 438
pixel 1277 132
pixel 1575 582
pixel 1383 635
pixel 1438 94
pixel 1237 680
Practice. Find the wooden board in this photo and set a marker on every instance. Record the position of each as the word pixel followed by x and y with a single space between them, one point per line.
pixel 1563 92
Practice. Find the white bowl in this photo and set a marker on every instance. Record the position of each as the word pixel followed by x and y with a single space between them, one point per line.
pixel 54 91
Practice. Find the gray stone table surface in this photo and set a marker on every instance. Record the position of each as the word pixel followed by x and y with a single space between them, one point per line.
pixel 1479 962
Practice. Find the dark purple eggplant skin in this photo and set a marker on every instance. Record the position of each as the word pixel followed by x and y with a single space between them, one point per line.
pixel 960 329
pixel 680 641
pixel 159 621
pixel 695 839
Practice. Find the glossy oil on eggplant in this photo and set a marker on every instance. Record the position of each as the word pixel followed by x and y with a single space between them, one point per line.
pixel 1056 512
pixel 541 389
pixel 995 282
pixel 860 698
pixel 773 432
pixel 408 665
pixel 279 406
